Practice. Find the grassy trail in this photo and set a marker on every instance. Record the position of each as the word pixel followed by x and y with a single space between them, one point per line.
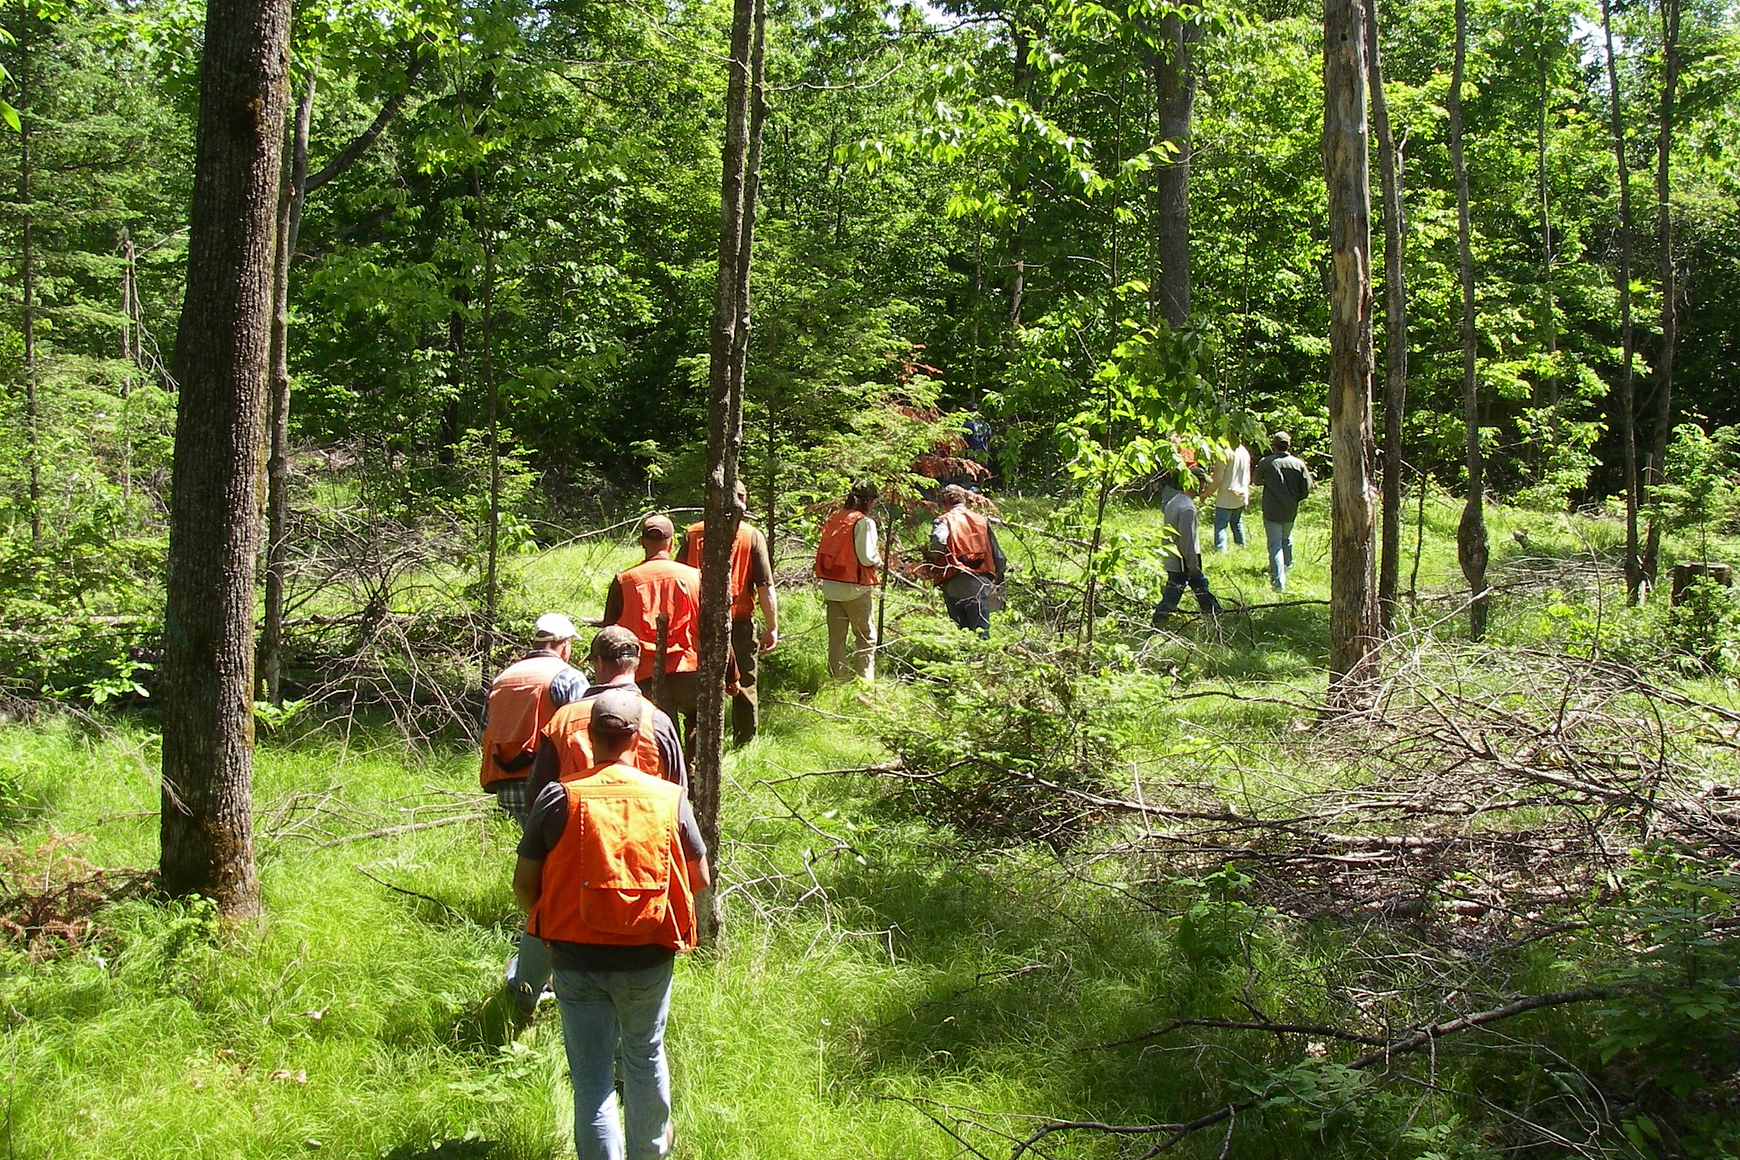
pixel 880 967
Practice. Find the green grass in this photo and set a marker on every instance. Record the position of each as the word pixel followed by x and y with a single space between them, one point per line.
pixel 877 968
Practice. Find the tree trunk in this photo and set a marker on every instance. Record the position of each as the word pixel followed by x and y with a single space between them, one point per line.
pixel 1395 328
pixel 27 270
pixel 1353 613
pixel 1174 94
pixel 728 355
pixel 1550 321
pixel 492 418
pixel 220 357
pixel 290 200
pixel 1471 544
pixel 299 184
pixel 1628 378
pixel 1664 234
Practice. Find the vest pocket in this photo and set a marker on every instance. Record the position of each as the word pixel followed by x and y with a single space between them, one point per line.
pixel 625 868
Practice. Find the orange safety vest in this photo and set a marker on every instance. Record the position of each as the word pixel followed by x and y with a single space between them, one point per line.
pixel 837 553
pixel 618 875
pixel 570 730
pixel 519 705
pixel 969 544
pixel 662 586
pixel 742 564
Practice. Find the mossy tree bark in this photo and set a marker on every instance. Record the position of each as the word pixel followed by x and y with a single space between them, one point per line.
pixel 221 361
pixel 1353 615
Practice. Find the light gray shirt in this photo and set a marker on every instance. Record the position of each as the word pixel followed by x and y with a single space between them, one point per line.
pixel 1180 512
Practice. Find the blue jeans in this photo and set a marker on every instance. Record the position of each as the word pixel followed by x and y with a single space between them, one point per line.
pixel 967 599
pixel 1225 518
pixel 1280 536
pixel 599 1009
pixel 1174 591
pixel 531 972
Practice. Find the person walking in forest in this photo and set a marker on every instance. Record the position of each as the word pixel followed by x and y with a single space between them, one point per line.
pixel 1286 482
pixel 751 585
pixel 1232 492
pixel 637 597
pixel 966 560
pixel 847 564
pixel 566 752
pixel 1183 560
pixel 523 698
pixel 608 871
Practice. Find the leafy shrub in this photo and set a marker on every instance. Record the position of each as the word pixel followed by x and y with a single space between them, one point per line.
pixel 1014 753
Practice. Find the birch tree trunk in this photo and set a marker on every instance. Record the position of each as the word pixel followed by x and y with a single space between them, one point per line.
pixel 1471 542
pixel 1395 328
pixel 1353 613
pixel 221 359
pixel 1174 96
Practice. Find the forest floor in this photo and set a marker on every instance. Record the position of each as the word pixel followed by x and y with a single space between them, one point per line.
pixel 996 898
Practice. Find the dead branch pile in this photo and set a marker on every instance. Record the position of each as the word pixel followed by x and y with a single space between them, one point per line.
pixel 1488 787
pixel 325 818
pixel 49 899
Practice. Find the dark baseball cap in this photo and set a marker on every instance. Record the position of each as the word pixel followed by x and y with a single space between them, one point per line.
pixel 614 643
pixel 615 713
pixel 657 527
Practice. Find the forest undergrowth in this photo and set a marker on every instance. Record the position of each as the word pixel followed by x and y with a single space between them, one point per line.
pixel 1002 903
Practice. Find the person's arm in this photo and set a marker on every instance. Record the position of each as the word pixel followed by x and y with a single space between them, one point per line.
pixel 997 561
pixel 694 847
pixel 1304 482
pixel 567 687
pixel 769 601
pixel 528 882
pixel 761 577
pixel 1189 550
pixel 670 745
pixel 612 603
pixel 938 548
pixel 546 768
pixel 864 543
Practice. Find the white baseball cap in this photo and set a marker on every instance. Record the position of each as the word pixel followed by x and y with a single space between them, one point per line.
pixel 555 626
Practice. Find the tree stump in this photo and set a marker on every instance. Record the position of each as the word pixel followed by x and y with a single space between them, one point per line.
pixel 1685 575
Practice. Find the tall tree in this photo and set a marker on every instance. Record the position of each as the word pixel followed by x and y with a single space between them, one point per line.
pixel 1471 543
pixel 27 268
pixel 221 360
pixel 1627 403
pixel 1174 76
pixel 1664 241
pixel 1353 613
pixel 292 199
pixel 1395 327
pixel 745 111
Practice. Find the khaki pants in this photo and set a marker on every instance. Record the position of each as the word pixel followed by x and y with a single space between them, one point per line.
pixel 745 714
pixel 855 614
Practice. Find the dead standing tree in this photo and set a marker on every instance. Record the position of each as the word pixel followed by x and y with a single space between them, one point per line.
pixel 1353 614
pixel 745 108
pixel 292 198
pixel 1395 327
pixel 220 359
pixel 1471 544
